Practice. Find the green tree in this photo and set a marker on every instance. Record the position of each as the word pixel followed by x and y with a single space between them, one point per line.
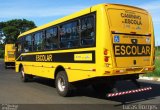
pixel 11 29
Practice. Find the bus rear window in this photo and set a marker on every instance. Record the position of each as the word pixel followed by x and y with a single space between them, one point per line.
pixel 126 21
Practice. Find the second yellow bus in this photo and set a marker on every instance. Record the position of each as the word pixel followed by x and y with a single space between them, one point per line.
pixel 9 57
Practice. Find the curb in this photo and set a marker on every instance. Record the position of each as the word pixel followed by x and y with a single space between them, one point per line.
pixel 149 78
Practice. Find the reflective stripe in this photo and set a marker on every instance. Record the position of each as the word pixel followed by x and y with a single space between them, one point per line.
pixel 128 92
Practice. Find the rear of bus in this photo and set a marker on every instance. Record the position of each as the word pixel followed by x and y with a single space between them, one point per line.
pixel 132 42
pixel 9 57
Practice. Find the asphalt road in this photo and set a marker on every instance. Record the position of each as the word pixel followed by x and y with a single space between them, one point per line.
pixel 41 91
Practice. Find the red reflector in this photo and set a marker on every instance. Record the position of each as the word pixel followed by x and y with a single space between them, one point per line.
pixel 105 52
pixel 117 71
pixel 106 59
pixel 106 72
pixel 150 69
pixel 93 69
pixel 113 32
pixel 133 32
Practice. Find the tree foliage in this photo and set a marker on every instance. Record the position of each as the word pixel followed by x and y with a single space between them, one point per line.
pixel 11 29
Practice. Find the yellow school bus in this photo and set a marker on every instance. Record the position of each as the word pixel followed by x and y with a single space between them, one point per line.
pixel 9 57
pixel 98 45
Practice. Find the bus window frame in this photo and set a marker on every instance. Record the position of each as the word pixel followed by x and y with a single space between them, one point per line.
pixel 45 33
pixel 94 24
pixel 94 14
pixel 71 21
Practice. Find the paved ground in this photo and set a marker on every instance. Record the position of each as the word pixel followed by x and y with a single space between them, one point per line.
pixel 42 91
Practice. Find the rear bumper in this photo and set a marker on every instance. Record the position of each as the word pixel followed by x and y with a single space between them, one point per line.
pixel 9 64
pixel 129 70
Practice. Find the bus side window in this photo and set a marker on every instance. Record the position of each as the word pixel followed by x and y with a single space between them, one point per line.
pixel 19 47
pixel 87 31
pixel 69 36
pixel 27 43
pixel 37 41
pixel 51 41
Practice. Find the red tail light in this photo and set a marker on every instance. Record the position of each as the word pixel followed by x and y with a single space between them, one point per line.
pixel 105 52
pixel 106 59
pixel 133 32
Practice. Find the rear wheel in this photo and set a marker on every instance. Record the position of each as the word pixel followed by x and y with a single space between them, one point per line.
pixel 62 85
pixel 25 77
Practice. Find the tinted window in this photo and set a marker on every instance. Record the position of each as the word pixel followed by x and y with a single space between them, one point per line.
pixel 27 43
pixel 51 39
pixel 87 31
pixel 38 41
pixel 19 46
pixel 69 36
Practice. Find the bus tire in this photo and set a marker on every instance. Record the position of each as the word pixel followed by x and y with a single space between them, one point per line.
pixel 24 77
pixel 62 85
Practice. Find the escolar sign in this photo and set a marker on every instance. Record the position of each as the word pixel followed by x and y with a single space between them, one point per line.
pixel 44 58
pixel 122 50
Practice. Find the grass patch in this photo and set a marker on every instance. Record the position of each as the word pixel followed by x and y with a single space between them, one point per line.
pixel 156 72
pixel 157 53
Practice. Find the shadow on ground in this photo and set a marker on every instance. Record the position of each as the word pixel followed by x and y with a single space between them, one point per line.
pixel 121 85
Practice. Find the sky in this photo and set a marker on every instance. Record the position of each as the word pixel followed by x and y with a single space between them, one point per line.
pixel 44 11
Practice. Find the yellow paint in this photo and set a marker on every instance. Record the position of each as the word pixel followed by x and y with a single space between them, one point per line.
pixel 9 53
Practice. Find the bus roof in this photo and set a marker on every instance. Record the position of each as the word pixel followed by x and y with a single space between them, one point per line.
pixel 72 16
pixel 63 19
pixel 127 6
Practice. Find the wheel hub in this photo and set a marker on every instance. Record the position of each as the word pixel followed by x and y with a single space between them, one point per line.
pixel 61 84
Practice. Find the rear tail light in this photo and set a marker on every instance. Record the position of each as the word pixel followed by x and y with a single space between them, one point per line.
pixel 106 59
pixel 120 71
pixel 149 69
pixel 105 52
pixel 133 32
